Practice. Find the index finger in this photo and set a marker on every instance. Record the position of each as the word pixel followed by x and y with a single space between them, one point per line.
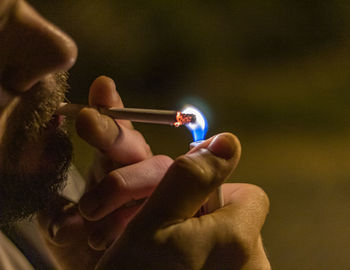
pixel 120 142
pixel 103 93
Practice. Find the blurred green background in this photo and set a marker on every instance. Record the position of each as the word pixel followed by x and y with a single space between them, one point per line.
pixel 276 73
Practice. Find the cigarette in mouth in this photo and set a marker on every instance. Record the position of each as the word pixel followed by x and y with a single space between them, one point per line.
pixel 174 118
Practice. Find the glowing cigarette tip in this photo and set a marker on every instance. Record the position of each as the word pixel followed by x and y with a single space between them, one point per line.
pixel 184 119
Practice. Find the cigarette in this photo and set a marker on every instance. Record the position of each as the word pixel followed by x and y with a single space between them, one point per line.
pixel 174 118
pixel 216 198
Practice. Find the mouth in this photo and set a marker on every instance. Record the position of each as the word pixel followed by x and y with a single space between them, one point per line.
pixel 56 121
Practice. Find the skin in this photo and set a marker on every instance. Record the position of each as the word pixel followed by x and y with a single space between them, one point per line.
pixel 31 170
pixel 105 231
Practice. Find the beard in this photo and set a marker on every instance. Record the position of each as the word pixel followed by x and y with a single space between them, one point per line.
pixel 35 154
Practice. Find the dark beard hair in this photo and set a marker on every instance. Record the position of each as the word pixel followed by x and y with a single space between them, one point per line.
pixel 23 193
pixel 32 115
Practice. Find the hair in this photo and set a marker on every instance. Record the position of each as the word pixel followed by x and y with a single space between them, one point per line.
pixel 24 191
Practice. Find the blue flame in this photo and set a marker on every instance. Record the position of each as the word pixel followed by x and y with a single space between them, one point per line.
pixel 200 127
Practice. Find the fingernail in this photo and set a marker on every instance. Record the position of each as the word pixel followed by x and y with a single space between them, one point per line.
pixel 57 234
pixel 223 145
pixel 58 224
pixel 195 144
pixel 97 242
pixel 53 229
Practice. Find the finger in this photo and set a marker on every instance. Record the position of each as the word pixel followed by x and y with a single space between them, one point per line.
pixel 110 228
pixel 236 227
pixel 189 181
pixel 229 237
pixel 128 183
pixel 122 145
pixel 120 142
pixel 243 202
pixel 66 234
pixel 63 225
pixel 103 93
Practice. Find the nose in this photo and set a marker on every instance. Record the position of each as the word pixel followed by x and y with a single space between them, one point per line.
pixel 37 48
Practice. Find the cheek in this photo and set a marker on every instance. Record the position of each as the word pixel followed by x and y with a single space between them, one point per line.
pixel 5 98
pixel 6 110
pixel 6 36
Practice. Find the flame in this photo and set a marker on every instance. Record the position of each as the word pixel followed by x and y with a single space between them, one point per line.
pixel 183 119
pixel 200 127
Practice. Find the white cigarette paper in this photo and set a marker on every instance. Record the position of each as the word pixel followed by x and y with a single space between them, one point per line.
pixel 137 115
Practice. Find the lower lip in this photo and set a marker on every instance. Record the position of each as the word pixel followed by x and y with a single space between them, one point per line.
pixel 56 121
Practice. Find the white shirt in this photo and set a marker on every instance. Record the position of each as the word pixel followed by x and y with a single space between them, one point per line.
pixel 11 258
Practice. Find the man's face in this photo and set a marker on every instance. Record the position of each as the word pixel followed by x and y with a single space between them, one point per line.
pixel 34 150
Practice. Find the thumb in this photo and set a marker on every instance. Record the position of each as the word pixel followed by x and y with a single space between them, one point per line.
pixel 189 182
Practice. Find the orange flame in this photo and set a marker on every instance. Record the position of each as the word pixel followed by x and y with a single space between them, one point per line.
pixel 183 119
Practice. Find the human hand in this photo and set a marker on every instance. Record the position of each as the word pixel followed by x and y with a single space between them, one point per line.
pixel 165 235
pixel 117 143
pixel 76 237
pixel 245 207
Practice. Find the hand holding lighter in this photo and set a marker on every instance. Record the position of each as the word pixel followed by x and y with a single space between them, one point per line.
pixel 174 118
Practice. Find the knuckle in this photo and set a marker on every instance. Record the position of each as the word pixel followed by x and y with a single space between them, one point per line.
pixel 245 249
pixel 82 123
pixel 148 151
pixel 237 246
pixel 142 150
pixel 256 197
pixel 260 197
pixel 219 170
pixel 115 182
pixel 179 246
pixel 232 242
pixel 264 198
pixel 198 173
pixel 242 243
pixel 246 240
pixel 162 162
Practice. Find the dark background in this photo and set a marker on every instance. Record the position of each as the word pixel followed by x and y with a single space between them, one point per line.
pixel 276 73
